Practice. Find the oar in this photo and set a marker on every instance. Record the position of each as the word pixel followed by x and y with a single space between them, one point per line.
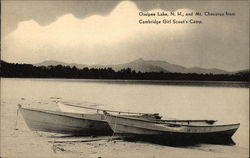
pixel 207 121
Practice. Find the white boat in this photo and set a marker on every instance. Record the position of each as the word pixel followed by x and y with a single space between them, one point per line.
pixel 62 122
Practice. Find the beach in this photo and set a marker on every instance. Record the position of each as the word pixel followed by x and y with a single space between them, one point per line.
pixel 17 140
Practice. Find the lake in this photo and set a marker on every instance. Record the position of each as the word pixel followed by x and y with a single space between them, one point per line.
pixel 226 104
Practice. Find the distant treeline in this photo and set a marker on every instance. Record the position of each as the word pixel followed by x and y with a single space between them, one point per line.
pixel 59 71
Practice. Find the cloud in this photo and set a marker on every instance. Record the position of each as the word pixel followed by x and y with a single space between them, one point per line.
pixel 114 38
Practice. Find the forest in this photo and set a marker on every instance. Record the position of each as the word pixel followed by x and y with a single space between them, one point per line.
pixel 14 70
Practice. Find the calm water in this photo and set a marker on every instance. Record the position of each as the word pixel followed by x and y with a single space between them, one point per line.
pixel 228 105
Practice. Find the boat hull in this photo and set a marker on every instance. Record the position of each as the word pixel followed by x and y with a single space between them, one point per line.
pixel 67 123
pixel 170 138
pixel 139 129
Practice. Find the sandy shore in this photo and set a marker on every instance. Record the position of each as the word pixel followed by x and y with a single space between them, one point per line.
pixel 25 143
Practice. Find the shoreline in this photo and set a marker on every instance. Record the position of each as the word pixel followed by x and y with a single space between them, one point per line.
pixel 199 83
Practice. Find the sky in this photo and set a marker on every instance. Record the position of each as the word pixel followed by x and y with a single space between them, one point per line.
pixel 108 32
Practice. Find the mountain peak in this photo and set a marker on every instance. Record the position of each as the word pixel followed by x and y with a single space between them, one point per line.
pixel 53 62
pixel 139 59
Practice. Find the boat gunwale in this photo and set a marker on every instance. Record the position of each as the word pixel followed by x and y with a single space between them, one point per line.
pixel 162 122
pixel 189 120
pixel 52 112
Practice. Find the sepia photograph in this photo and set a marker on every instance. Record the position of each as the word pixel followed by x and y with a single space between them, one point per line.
pixel 122 79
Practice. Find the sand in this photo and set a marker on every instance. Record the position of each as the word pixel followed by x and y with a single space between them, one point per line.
pixel 18 141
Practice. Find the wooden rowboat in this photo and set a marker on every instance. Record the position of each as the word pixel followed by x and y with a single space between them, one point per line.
pixel 62 122
pixel 169 132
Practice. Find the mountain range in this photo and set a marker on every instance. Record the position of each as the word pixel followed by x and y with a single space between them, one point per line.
pixel 142 66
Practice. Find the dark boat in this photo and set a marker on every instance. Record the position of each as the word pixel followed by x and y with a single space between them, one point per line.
pixel 167 132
